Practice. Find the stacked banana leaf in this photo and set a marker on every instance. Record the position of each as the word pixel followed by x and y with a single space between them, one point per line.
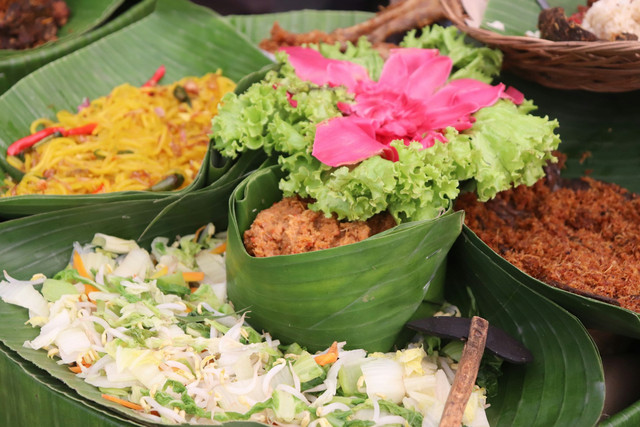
pixel 89 21
pixel 563 386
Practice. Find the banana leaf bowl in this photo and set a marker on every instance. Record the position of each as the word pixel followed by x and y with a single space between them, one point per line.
pixel 362 293
pixel 167 37
pixel 566 365
pixel 88 22
pixel 606 150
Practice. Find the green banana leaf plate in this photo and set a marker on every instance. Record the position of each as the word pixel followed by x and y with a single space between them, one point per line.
pixel 567 371
pixel 612 141
pixel 567 367
pixel 89 21
pixel 186 38
pixel 47 238
pixel 361 293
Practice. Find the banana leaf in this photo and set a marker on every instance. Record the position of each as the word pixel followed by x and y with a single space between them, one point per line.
pixel 89 24
pixel 566 368
pixel 607 149
pixel 83 17
pixel 361 293
pixel 520 16
pixel 565 383
pixel 258 27
pixel 536 326
pixel 43 243
pixel 186 38
pixel 25 386
pixel 627 417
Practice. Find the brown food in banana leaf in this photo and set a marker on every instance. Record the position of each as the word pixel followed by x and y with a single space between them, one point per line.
pixel 30 23
pixel 289 227
pixel 580 235
pixel 554 25
pixel 397 18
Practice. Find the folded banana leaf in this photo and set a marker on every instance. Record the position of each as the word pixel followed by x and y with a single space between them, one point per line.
pixel 186 38
pixel 566 368
pixel 89 21
pixel 83 17
pixel 361 293
pixel 26 386
pixel 607 149
pixel 43 243
pixel 565 383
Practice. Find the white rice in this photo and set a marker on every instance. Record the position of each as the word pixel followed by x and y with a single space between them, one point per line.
pixel 608 18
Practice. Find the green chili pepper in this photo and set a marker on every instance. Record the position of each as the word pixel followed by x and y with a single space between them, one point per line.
pixel 181 95
pixel 168 183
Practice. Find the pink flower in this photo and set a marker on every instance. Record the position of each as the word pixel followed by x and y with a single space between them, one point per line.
pixel 411 101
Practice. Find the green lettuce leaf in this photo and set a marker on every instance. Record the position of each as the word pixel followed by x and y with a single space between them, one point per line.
pixel 469 61
pixel 512 145
pixel 506 146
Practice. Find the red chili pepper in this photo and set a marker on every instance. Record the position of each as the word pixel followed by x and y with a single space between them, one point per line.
pixel 29 141
pixel 80 130
pixel 99 189
pixel 157 76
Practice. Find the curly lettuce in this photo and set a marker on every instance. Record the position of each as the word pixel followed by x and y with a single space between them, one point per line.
pixel 506 146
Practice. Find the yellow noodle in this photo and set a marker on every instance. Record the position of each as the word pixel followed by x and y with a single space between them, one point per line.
pixel 142 136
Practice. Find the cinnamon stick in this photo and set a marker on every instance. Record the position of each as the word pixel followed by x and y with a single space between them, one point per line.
pixel 466 375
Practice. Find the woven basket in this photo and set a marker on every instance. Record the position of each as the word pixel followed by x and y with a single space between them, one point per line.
pixel 600 66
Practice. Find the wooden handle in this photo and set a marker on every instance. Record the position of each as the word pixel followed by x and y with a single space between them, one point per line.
pixel 466 375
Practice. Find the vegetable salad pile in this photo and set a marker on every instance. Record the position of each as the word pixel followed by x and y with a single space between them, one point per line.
pixel 361 136
pixel 153 331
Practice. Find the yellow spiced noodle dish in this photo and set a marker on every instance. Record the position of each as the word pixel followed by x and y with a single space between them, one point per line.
pixel 152 137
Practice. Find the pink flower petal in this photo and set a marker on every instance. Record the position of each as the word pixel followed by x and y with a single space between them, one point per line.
pixel 412 101
pixel 404 62
pixel 428 78
pixel 415 72
pixel 430 139
pixel 310 65
pixel 345 141
pixel 514 95
pixel 475 92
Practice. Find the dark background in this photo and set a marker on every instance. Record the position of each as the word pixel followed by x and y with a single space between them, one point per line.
pixel 226 7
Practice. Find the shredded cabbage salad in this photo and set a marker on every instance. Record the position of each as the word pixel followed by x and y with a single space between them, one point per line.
pixel 155 333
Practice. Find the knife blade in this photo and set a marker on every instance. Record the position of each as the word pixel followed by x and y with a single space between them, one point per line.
pixel 498 341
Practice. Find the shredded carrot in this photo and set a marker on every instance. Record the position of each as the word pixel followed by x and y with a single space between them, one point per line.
pixel 192 276
pixel 122 402
pixel 88 289
pixel 79 265
pixel 75 369
pixel 329 357
pixel 220 248
pixel 197 234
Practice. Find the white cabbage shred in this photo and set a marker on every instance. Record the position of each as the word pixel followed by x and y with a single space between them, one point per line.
pixel 140 334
